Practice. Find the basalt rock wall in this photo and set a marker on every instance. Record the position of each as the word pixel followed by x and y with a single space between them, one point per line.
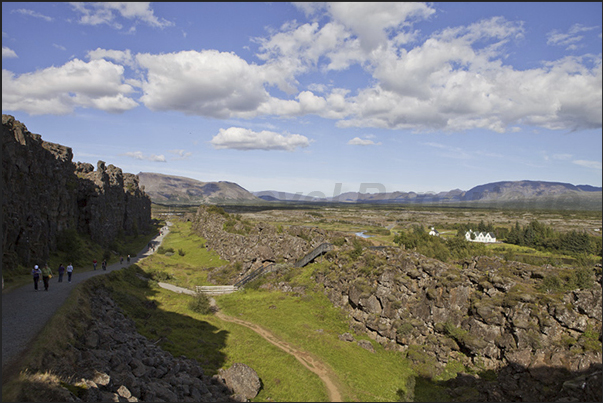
pixel 486 313
pixel 258 243
pixel 45 193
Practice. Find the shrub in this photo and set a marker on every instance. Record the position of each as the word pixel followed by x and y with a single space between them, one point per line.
pixel 162 251
pixel 200 304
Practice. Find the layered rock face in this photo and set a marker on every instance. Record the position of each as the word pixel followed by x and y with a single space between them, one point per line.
pixel 110 361
pixel 253 244
pixel 45 193
pixel 487 315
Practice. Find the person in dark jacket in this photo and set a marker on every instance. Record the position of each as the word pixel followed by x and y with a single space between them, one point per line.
pixel 36 272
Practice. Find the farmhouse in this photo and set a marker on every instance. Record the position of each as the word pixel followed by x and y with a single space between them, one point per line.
pixel 485 237
pixel 434 232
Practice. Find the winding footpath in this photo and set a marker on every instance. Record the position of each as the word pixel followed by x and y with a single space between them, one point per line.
pixel 25 312
pixel 305 358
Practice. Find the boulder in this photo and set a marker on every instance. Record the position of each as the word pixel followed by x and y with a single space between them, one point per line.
pixel 242 379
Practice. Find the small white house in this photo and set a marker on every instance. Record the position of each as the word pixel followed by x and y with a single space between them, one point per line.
pixel 484 237
pixel 434 232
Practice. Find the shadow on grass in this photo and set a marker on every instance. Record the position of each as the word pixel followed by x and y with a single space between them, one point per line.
pixel 177 333
pixel 511 383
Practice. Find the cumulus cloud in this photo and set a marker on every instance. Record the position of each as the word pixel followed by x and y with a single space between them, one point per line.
pixel 239 138
pixel 181 154
pixel 59 90
pixel 8 53
pixel 357 141
pixel 140 156
pixel 372 21
pixel 119 56
pixel 109 12
pixel 454 79
pixel 206 83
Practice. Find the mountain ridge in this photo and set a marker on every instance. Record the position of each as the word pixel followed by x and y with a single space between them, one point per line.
pixel 171 189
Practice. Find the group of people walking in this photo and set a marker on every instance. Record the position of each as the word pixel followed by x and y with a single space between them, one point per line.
pixel 46 274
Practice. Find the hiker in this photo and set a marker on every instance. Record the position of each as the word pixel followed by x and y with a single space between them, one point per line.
pixel 69 272
pixel 121 260
pixel 94 264
pixel 128 258
pixel 35 272
pixel 46 275
pixel 61 272
pixel 104 264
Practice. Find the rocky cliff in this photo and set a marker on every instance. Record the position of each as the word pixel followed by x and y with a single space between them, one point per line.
pixel 253 244
pixel 486 314
pixel 45 193
pixel 513 323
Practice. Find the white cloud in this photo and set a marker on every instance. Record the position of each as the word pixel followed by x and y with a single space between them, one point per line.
pixel 32 13
pixel 372 21
pixel 119 56
pixel 357 141
pixel 8 53
pixel 140 156
pixel 59 90
pixel 207 83
pixel 588 164
pixel 569 39
pixel 239 138
pixel 181 154
pixel 108 13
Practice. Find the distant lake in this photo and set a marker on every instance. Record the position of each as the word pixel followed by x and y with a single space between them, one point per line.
pixel 362 234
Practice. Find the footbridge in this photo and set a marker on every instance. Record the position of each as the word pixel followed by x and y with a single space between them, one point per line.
pixel 310 256
pixel 216 289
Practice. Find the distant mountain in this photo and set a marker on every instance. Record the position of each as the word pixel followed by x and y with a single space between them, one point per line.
pixel 169 189
pixel 509 193
pixel 274 195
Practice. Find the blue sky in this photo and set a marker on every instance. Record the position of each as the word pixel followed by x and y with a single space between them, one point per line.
pixel 314 97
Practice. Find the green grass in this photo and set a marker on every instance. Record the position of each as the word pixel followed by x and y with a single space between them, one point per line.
pixel 191 268
pixel 311 323
pixel 214 343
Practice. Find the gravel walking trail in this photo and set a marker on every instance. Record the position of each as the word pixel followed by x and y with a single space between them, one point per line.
pixel 25 311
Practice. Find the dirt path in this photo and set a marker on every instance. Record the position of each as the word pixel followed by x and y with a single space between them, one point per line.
pixel 305 358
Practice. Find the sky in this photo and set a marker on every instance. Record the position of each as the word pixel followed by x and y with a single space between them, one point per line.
pixel 314 98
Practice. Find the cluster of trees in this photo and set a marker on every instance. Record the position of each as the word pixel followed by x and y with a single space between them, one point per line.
pixel 439 248
pixel 543 237
pixel 535 235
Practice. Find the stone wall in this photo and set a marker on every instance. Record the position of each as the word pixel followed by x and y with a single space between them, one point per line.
pixel 44 193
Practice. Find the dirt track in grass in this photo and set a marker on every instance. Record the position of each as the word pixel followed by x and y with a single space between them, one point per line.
pixel 314 365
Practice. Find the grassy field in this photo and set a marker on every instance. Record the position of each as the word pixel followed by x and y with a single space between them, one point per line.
pixel 190 261
pixel 309 322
